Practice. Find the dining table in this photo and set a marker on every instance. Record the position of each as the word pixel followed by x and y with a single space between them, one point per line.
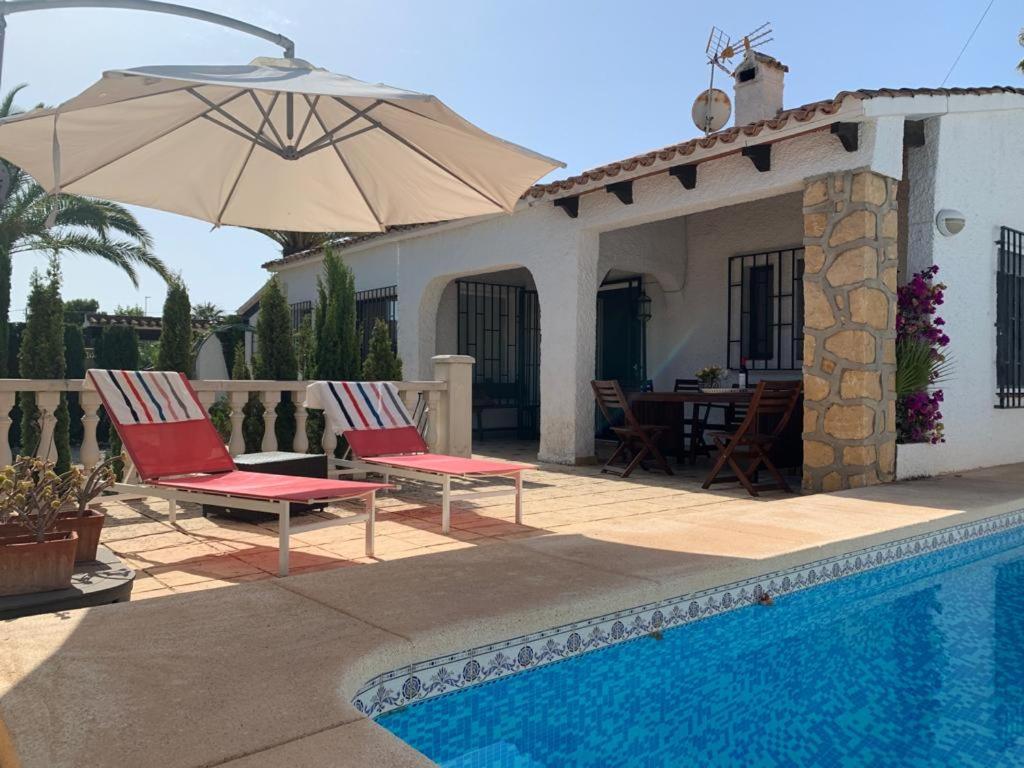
pixel 672 412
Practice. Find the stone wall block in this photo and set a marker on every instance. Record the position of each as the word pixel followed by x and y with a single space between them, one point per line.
pixel 850 235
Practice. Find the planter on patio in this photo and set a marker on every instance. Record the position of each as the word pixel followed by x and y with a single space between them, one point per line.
pixel 88 527
pixel 28 565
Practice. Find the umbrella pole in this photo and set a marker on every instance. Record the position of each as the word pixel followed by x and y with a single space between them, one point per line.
pixel 8 7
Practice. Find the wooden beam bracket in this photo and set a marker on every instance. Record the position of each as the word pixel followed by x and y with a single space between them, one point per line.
pixel 571 206
pixel 687 174
pixel 848 135
pixel 622 190
pixel 760 155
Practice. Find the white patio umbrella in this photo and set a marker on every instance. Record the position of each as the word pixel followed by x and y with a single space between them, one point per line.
pixel 276 144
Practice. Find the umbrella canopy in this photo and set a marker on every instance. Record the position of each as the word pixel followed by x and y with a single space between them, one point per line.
pixel 276 144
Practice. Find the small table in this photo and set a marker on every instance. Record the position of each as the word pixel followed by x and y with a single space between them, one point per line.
pixel 722 397
pixel 275 463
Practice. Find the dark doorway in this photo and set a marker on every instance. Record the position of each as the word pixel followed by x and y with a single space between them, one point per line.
pixel 499 326
pixel 621 338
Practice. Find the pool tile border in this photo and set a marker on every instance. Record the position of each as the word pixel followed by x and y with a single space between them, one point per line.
pixel 446 674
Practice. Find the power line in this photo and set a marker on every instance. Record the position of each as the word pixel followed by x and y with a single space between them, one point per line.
pixel 969 38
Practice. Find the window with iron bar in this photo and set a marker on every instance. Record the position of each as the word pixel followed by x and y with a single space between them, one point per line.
pixel 765 308
pixel 1010 319
pixel 300 311
pixel 371 306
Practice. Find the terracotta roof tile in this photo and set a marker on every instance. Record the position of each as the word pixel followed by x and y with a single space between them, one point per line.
pixel 103 320
pixel 801 114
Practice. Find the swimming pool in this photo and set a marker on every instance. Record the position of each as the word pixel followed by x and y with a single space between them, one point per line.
pixel 915 663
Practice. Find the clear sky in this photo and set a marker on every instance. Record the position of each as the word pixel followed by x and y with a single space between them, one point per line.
pixel 586 81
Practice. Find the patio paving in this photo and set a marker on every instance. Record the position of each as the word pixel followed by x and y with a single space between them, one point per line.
pixel 262 674
pixel 205 553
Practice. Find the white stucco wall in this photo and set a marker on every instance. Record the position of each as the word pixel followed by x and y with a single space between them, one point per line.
pixel 210 363
pixel 691 328
pixel 978 160
pixel 562 256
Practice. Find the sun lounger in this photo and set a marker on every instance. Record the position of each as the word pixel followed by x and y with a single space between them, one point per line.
pixel 177 455
pixel 384 440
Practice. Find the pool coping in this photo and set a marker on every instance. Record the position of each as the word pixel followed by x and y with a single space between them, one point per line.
pixel 449 673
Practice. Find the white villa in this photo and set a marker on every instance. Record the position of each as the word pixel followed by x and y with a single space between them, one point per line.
pixel 781 240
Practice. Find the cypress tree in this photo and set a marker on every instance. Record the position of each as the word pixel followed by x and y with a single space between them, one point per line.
pixel 304 352
pixel 381 363
pixel 240 368
pixel 42 357
pixel 275 356
pixel 334 322
pixel 176 331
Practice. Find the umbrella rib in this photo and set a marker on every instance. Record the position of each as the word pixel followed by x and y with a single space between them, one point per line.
pixel 305 123
pixel 426 157
pixel 266 117
pixel 148 141
pixel 325 140
pixel 245 163
pixel 247 136
pixel 348 170
pixel 245 129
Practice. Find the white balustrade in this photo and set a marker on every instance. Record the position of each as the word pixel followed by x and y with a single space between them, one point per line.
pixel 301 442
pixel 270 401
pixel 448 397
pixel 237 401
pixel 90 451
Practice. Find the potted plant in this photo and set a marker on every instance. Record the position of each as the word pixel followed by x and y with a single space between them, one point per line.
pixel 84 520
pixel 710 376
pixel 32 496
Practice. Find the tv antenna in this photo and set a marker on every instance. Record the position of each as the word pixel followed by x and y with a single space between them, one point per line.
pixel 720 50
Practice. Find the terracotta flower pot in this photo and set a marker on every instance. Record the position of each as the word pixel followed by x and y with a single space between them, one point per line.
pixel 27 565
pixel 87 527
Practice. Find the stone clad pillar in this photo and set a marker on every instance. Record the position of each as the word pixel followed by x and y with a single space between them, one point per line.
pixel 850 229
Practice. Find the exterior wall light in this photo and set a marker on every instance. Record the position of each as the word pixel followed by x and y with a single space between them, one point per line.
pixel 950 222
pixel 643 306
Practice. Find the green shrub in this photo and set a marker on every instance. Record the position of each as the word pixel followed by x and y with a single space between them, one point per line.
pixel 335 336
pixel 175 352
pixel 42 357
pixel 275 360
pixel 381 363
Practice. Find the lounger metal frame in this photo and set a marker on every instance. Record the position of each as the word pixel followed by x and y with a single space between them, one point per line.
pixel 279 507
pixel 340 467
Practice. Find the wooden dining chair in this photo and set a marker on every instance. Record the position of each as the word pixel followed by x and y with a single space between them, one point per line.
pixel 637 441
pixel 694 423
pixel 746 450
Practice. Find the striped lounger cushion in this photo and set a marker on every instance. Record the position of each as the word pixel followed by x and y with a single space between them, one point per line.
pixel 165 429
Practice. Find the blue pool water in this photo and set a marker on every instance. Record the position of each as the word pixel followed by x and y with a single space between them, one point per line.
pixel 920 663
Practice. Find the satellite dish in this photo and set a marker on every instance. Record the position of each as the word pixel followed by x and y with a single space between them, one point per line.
pixel 711 110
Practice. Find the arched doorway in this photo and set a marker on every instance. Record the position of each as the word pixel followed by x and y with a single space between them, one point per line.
pixel 494 317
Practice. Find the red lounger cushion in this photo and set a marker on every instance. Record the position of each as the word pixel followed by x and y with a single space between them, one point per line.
pixel 256 485
pixel 450 465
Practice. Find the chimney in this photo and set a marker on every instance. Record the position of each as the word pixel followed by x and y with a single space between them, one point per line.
pixel 758 89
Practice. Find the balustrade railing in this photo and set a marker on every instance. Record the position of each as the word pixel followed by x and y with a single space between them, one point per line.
pixel 448 401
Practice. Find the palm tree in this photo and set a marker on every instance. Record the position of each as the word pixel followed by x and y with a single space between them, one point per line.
pixel 297 242
pixel 207 313
pixel 32 220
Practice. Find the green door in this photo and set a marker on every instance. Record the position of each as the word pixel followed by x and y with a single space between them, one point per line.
pixel 621 338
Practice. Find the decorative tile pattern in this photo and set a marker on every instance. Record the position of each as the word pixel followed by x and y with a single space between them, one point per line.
pixel 474 666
